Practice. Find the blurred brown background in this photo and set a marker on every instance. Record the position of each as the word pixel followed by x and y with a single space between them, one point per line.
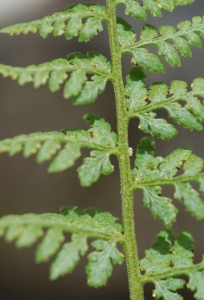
pixel 26 186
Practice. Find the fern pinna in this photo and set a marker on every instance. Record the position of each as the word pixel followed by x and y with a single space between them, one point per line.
pixel 84 77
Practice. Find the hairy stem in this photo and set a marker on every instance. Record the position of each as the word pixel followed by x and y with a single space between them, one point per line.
pixel 130 245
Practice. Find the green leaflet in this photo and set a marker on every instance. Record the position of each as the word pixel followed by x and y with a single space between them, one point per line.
pixel 185 193
pixel 188 35
pixel 196 283
pixel 28 228
pixel 94 166
pixel 55 72
pixel 156 127
pixel 68 23
pixel 151 172
pixel 102 260
pixel 161 207
pixel 68 257
pixel 134 9
pixel 166 288
pixel 50 244
pixel 126 35
pixel 101 131
pixel 161 96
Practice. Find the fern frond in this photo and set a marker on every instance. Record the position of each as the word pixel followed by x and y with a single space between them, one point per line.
pixel 99 137
pixel 141 103
pixel 68 23
pixel 189 33
pixel 168 259
pixel 55 72
pixel 93 223
pixel 137 8
pixel 151 173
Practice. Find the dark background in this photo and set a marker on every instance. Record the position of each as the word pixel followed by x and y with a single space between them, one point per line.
pixel 26 187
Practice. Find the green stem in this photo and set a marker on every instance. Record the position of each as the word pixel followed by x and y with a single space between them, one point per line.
pixel 130 245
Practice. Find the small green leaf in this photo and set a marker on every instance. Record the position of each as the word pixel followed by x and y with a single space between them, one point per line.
pixel 50 244
pixel 48 149
pixel 74 85
pixel 158 92
pixel 66 158
pixel 68 257
pixel 94 166
pixel 147 60
pixel 148 32
pixel 101 131
pixel 161 207
pixel 135 89
pixel 156 127
pixel 134 9
pixel 196 283
pixel 193 165
pixel 126 36
pixel 153 7
pixel 29 236
pixel 173 162
pixel 101 260
pixel 182 45
pixel 91 90
pixel 169 53
pixel 164 288
pixel 91 28
pixel 182 116
pixel 190 199
pixel 73 27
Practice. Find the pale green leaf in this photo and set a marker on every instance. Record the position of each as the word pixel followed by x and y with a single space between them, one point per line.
pixel 190 199
pixel 166 289
pixel 126 35
pixel 196 283
pixel 99 163
pixel 90 90
pixel 173 162
pixel 29 236
pixel 100 268
pixel 147 60
pixel 134 9
pixel 66 158
pixel 91 28
pixel 182 116
pixel 161 207
pixel 156 127
pixel 50 244
pixel 148 32
pixel 101 131
pixel 68 257
pixel 135 90
pixel 169 53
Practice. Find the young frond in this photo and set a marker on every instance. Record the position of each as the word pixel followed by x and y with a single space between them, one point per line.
pixel 91 222
pixel 68 23
pixel 150 173
pixel 56 72
pixel 137 8
pixel 141 103
pixel 170 257
pixel 189 34
pixel 46 145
